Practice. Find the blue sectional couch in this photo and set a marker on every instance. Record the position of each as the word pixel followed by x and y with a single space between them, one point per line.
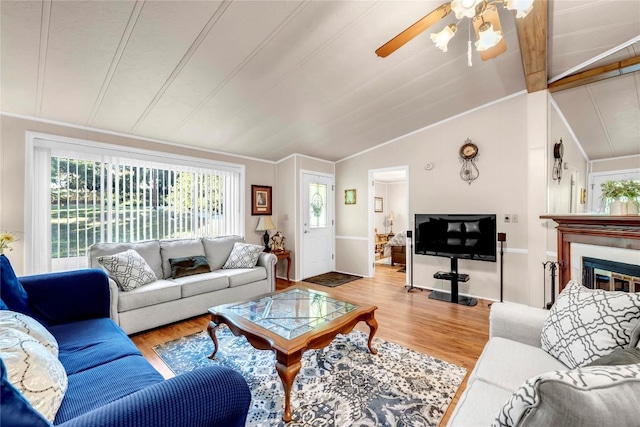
pixel 109 381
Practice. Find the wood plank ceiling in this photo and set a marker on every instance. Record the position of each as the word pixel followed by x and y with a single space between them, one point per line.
pixel 270 78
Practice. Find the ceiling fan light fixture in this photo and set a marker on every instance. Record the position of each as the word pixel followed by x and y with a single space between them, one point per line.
pixel 523 7
pixel 487 37
pixel 442 38
pixel 465 8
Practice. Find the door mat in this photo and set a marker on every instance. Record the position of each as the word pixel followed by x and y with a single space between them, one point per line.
pixel 332 279
pixel 342 384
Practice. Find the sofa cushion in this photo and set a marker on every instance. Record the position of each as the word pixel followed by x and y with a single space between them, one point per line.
pixel 243 255
pixel 151 294
pixel 477 405
pixel 34 370
pixel 585 324
pixel 507 364
pixel 589 396
pixel 178 248
pixel 149 250
pixel 13 294
pixel 202 283
pixel 105 383
pixel 621 356
pixel 242 276
pixel 128 269
pixel 188 266
pixel 16 411
pixel 218 249
pixel 23 323
pixel 90 343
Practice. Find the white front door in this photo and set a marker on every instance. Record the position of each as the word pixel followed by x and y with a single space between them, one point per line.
pixel 317 224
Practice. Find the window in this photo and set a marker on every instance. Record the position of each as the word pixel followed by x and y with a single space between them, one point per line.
pixel 82 194
pixel 317 205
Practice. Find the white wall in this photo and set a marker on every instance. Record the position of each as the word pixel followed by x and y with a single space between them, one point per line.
pixel 620 163
pixel 503 132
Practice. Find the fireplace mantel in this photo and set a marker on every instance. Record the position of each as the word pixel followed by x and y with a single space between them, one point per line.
pixel 601 230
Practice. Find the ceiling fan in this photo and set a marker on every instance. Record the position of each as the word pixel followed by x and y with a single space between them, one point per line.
pixel 483 15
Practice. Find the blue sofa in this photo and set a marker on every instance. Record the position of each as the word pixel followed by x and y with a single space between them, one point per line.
pixel 109 381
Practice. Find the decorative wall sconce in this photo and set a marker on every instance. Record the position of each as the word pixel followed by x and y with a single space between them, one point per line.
pixel 558 152
pixel 468 156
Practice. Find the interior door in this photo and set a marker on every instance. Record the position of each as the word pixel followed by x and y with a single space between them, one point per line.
pixel 317 224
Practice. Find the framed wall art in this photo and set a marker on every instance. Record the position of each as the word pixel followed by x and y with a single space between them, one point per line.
pixel 378 204
pixel 350 196
pixel 261 200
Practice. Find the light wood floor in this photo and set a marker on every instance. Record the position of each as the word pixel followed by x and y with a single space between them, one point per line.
pixel 453 333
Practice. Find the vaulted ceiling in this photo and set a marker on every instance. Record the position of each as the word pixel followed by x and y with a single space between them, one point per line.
pixel 270 78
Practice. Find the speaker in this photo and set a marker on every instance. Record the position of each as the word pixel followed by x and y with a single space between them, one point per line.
pixel 410 236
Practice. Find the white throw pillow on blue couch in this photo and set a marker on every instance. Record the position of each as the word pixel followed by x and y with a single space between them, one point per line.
pixel 33 368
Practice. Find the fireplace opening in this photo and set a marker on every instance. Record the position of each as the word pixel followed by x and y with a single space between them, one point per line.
pixel 610 275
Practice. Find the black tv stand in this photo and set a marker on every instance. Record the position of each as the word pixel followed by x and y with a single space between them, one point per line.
pixel 454 277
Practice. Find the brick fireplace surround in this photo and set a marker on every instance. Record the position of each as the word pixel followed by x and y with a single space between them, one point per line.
pixel 601 230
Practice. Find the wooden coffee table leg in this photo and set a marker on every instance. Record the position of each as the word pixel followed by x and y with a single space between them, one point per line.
pixel 212 333
pixel 373 327
pixel 287 370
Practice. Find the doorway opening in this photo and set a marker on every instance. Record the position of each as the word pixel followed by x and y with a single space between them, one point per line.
pixel 389 220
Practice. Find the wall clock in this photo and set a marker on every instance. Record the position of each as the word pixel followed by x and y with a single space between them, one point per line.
pixel 469 150
pixel 468 156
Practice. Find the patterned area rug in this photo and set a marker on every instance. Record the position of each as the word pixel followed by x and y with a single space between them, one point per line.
pixel 340 385
pixel 332 279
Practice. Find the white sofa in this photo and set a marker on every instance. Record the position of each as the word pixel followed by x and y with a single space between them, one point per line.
pixel 168 300
pixel 514 355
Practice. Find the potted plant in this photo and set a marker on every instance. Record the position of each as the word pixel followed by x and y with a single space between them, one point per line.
pixel 622 196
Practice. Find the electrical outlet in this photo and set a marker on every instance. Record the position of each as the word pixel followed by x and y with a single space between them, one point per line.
pixel 514 217
pixel 507 218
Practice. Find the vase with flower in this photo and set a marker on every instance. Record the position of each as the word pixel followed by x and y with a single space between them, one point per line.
pixel 6 239
pixel 622 196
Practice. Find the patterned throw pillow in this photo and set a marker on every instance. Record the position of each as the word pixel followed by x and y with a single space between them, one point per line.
pixel 128 269
pixel 243 255
pixel 31 327
pixel 594 395
pixel 34 371
pixel 586 324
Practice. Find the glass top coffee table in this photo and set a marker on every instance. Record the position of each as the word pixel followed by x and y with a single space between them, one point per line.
pixel 289 322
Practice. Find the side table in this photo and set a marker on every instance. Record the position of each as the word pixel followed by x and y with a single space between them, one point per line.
pixel 283 254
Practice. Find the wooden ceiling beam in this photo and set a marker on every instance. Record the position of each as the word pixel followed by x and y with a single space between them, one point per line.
pixel 615 69
pixel 532 36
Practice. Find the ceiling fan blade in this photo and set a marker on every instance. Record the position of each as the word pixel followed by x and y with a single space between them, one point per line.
pixel 491 15
pixel 398 41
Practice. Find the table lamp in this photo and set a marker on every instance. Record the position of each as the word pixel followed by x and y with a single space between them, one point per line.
pixel 265 224
pixel 392 218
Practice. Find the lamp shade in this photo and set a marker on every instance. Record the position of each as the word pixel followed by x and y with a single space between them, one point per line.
pixel 442 38
pixel 392 217
pixel 487 37
pixel 464 8
pixel 523 7
pixel 265 223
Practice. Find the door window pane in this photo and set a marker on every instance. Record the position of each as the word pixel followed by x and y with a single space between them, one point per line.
pixel 317 205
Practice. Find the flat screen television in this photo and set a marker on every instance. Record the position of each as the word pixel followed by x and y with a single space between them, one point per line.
pixel 461 236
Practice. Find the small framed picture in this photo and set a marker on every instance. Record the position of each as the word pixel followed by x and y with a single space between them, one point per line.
pixel 261 200
pixel 377 204
pixel 350 196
